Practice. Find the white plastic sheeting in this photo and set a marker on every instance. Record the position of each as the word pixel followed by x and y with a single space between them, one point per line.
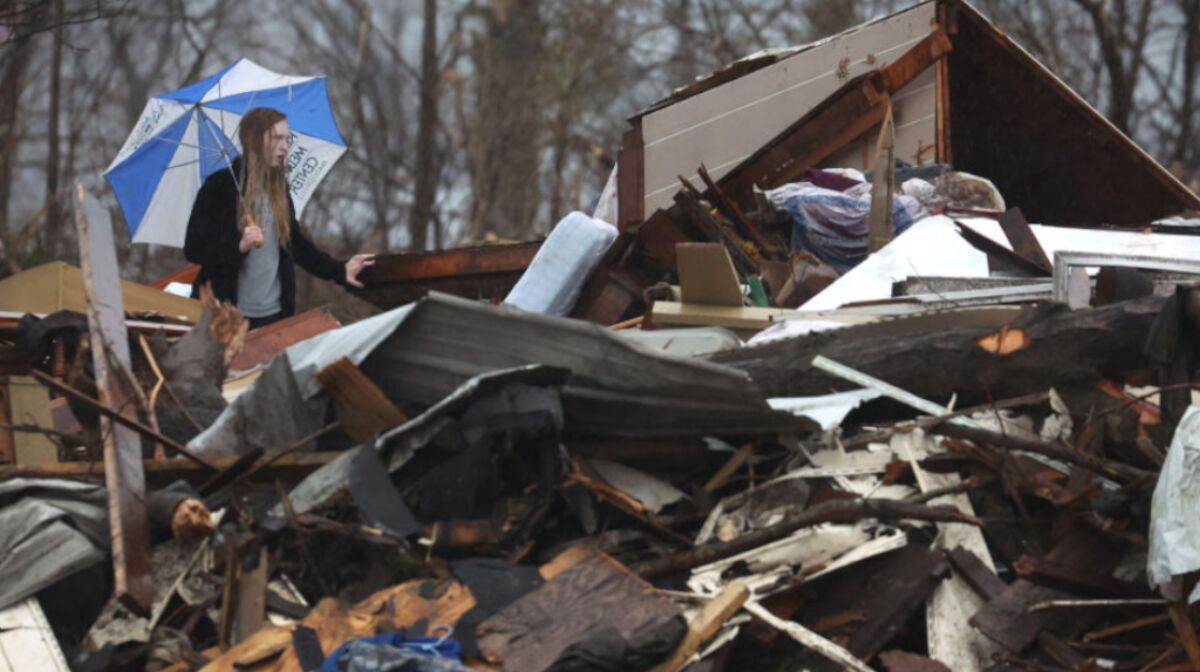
pixel 933 247
pixel 1174 525
pixel 552 283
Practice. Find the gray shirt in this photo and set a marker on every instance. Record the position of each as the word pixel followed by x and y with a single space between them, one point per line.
pixel 258 279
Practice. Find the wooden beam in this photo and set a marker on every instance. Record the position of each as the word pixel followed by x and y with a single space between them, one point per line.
pixel 467 261
pixel 631 178
pixel 942 93
pixel 846 115
pixel 916 60
pixel 745 317
pixel 836 122
pixel 362 408
pixel 124 478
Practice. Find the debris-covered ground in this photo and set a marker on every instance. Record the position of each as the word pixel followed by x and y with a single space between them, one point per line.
pixel 804 418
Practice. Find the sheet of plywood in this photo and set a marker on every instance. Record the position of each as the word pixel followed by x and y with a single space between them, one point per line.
pixel 706 275
pixel 29 404
pixel 722 126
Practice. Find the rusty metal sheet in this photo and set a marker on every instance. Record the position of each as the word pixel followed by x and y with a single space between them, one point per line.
pixel 124 477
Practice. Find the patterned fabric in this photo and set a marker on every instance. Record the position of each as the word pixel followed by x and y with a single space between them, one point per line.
pixel 396 652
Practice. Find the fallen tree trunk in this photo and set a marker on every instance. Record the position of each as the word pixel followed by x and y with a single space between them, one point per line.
pixel 1043 346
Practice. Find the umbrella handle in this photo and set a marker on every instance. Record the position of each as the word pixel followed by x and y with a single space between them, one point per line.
pixel 249 221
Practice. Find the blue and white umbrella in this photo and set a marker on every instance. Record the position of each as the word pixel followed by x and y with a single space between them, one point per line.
pixel 184 136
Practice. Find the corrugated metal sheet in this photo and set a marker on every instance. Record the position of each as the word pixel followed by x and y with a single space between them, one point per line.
pixel 723 125
pixel 423 352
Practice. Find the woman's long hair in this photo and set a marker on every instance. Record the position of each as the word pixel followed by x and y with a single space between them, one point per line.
pixel 258 176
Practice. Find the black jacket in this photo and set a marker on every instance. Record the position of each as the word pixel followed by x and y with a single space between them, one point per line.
pixel 213 237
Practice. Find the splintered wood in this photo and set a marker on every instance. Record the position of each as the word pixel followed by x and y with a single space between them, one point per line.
pixel 115 386
pixel 706 624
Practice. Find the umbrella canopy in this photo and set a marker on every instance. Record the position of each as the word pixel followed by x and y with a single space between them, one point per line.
pixel 184 136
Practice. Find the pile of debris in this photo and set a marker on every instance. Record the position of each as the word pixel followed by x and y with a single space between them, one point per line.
pixel 817 419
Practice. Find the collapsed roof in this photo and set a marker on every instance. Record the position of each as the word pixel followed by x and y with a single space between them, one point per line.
pixel 989 108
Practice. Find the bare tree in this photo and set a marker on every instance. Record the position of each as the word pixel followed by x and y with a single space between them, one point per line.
pixel 426 172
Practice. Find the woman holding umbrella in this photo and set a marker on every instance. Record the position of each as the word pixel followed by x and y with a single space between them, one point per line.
pixel 244 234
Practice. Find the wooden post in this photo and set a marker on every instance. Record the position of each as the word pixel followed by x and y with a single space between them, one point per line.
pixel 123 473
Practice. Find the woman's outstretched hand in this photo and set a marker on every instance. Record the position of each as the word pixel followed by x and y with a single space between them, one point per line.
pixel 355 266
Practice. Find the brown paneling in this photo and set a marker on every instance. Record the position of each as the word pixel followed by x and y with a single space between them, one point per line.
pixel 1045 149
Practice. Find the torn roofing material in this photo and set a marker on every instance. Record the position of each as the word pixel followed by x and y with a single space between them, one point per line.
pixel 422 352
pixel 49 529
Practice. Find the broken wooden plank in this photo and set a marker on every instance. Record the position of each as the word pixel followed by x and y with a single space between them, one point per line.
pixel 250 613
pixel 971 567
pixel 1024 243
pixel 706 624
pixel 124 478
pixel 1009 619
pixel 989 586
pixel 730 468
pixel 631 185
pixel 689 212
pixel 714 195
pixel 706 275
pixel 1005 620
pixel 362 408
pixel 487 271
